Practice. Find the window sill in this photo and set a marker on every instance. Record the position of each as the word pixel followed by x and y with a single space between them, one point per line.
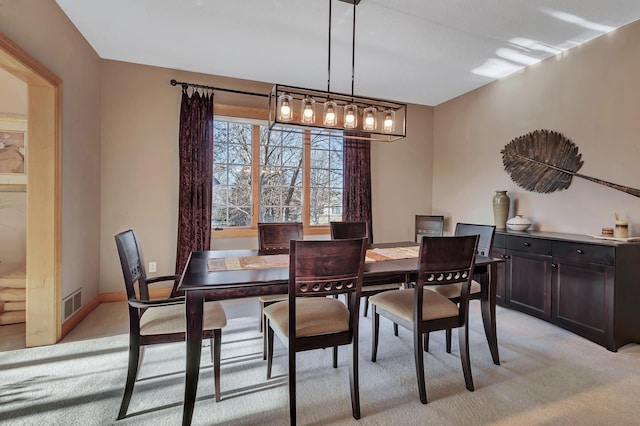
pixel 253 232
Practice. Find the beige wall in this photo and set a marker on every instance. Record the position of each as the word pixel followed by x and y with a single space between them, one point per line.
pixel 591 95
pixel 40 28
pixel 139 165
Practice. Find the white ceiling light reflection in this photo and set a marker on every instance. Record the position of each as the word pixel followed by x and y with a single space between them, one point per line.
pixel 577 20
pixel 515 56
pixel 496 68
pixel 534 45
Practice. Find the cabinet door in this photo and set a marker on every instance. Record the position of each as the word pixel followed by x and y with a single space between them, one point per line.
pixel 583 299
pixel 502 275
pixel 530 283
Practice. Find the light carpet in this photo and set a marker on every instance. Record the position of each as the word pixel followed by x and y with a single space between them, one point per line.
pixel 548 376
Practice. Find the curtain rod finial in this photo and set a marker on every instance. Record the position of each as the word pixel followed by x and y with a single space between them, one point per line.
pixel 173 82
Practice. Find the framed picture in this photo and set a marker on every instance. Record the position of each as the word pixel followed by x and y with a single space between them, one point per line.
pixel 13 149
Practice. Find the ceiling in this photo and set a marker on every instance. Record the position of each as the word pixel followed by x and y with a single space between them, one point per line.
pixel 416 51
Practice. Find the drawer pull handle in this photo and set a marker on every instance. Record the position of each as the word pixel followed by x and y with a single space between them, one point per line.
pixel 554 266
pixel 579 251
pixel 527 244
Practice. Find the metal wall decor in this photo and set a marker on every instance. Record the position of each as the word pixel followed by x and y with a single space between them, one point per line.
pixel 545 161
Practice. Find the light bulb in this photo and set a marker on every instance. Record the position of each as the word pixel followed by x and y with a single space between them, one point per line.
pixel 331 115
pixel 284 101
pixel 369 119
pixel 389 125
pixel 350 117
pixel 308 111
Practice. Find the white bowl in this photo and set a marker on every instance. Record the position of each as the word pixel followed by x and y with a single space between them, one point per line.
pixel 518 223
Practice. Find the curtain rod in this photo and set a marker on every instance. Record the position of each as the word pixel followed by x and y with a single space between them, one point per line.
pixel 201 86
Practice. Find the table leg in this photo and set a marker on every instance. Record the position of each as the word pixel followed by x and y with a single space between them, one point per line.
pixel 488 309
pixel 194 307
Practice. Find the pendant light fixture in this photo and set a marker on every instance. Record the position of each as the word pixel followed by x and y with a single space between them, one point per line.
pixel 369 118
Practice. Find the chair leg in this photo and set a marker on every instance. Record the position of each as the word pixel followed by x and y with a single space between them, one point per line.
pixel 216 347
pixel 395 329
pixel 292 384
pixel 375 325
pixel 366 306
pixel 335 357
pixel 448 331
pixel 269 349
pixel 354 375
pixel 263 329
pixel 135 355
pixel 426 342
pixel 261 317
pixel 463 339
pixel 417 342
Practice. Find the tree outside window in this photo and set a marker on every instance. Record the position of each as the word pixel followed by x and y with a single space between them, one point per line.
pixel 297 178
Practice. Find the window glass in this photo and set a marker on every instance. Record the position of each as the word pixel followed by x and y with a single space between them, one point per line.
pixel 326 178
pixel 285 190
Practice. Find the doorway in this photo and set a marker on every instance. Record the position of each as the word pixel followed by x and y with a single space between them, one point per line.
pixel 44 193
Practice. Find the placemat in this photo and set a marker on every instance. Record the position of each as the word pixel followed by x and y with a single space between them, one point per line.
pixel 282 260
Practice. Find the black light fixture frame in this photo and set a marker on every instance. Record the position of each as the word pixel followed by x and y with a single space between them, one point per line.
pixel 341 99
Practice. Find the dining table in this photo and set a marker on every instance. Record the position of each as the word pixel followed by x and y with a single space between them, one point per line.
pixel 233 274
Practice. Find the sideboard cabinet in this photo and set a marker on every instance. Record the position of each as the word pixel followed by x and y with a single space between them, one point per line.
pixel 585 285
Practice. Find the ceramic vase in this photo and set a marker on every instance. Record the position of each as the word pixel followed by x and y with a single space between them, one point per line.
pixel 501 203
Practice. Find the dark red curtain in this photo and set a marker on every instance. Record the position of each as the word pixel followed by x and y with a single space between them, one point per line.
pixel 356 194
pixel 196 175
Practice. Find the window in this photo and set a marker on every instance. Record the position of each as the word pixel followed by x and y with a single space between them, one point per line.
pixel 279 176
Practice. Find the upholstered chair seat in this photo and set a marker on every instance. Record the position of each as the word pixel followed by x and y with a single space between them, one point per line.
pixel 314 316
pixel 171 319
pixel 400 303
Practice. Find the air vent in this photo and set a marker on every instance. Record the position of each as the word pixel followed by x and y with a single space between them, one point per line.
pixel 71 304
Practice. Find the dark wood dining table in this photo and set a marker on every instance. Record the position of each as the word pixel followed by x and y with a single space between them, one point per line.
pixel 199 285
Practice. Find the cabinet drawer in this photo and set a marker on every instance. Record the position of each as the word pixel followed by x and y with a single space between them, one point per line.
pixel 591 253
pixel 529 245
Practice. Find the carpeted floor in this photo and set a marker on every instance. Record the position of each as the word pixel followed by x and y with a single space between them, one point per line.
pixel 548 377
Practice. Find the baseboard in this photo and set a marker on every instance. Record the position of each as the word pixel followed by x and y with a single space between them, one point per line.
pixel 118 296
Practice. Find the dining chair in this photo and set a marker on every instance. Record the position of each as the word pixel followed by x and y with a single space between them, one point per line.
pixel 485 246
pixel 274 238
pixel 159 320
pixel 318 269
pixel 360 229
pixel 429 225
pixel 447 261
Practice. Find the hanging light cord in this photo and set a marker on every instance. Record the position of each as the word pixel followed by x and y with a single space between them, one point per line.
pixel 353 49
pixel 329 58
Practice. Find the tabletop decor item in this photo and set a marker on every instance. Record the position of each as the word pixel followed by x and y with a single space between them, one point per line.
pixel 545 161
pixel 518 223
pixel 501 203
pixel 621 229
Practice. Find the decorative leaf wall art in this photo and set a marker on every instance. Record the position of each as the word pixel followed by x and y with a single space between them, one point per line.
pixel 545 161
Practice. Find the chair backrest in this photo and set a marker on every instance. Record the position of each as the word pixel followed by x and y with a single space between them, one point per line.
pixel 274 238
pixel 346 230
pixel 486 233
pixel 327 267
pixel 132 265
pixel 429 225
pixel 443 261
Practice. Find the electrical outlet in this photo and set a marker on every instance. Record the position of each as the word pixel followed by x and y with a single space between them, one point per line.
pixel 152 266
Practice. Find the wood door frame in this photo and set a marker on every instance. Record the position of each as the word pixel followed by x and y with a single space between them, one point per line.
pixel 44 193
